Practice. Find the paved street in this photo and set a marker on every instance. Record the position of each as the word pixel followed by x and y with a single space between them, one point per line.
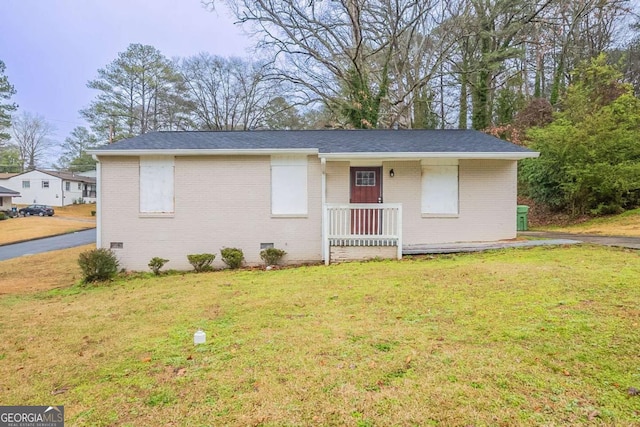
pixel 65 241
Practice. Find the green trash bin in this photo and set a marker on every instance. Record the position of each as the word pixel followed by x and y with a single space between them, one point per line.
pixel 523 217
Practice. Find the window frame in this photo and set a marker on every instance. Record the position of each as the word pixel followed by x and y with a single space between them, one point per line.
pixel 45 183
pixel 27 182
pixel 365 181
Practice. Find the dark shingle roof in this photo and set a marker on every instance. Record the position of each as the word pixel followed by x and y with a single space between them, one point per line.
pixel 8 192
pixel 326 141
pixel 70 176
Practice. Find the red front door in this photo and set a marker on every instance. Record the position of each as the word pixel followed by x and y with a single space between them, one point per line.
pixel 366 187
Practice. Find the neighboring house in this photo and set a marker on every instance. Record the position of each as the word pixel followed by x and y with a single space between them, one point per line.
pixel 319 195
pixel 52 188
pixel 92 173
pixel 5 198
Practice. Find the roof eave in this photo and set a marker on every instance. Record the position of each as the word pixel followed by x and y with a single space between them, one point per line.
pixel 203 152
pixel 310 151
pixel 442 155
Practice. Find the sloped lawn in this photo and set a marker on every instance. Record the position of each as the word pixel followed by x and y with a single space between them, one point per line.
pixel 39 272
pixel 519 337
pixel 625 224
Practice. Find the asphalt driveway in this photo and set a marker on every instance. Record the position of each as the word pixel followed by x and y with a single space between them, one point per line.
pixel 47 244
pixel 618 241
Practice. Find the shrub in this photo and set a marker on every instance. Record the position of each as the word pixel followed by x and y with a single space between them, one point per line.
pixel 201 262
pixel 93 213
pixel 156 264
pixel 272 256
pixel 233 257
pixel 98 265
pixel 2 216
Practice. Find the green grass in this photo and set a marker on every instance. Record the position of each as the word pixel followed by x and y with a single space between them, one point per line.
pixel 519 337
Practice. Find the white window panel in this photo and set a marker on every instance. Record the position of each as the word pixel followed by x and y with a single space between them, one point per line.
pixel 289 185
pixel 440 189
pixel 156 184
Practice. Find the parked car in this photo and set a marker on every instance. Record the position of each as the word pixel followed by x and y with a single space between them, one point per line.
pixel 40 210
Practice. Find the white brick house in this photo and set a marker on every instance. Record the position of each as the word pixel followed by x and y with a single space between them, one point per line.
pixel 319 195
pixel 51 188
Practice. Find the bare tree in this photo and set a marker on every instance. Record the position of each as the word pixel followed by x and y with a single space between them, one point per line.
pixel 363 58
pixel 31 134
pixel 579 30
pixel 227 93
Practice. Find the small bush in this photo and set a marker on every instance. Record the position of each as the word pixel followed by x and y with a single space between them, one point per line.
pixel 98 265
pixel 201 262
pixel 233 257
pixel 272 256
pixel 156 264
pixel 93 213
pixel 2 216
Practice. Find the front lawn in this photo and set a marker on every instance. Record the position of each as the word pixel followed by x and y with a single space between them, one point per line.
pixel 517 337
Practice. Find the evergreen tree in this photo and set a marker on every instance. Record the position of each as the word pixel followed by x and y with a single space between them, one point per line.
pixel 6 92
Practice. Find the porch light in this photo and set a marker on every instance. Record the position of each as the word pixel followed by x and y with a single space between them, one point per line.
pixel 392 173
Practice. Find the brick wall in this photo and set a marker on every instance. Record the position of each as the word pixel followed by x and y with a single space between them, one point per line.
pixel 219 202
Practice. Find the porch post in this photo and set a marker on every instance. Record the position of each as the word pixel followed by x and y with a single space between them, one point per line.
pixel 98 201
pixel 325 240
pixel 399 231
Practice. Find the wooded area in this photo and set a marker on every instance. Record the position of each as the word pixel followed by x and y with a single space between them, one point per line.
pixel 561 76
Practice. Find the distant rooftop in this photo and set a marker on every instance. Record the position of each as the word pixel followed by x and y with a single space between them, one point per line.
pixel 7 192
pixel 67 176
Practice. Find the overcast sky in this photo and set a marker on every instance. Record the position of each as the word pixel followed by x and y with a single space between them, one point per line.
pixel 53 47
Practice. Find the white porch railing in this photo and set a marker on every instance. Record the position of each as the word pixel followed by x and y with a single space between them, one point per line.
pixel 363 224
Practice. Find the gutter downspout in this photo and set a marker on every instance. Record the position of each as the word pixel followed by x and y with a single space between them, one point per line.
pixel 98 202
pixel 325 242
